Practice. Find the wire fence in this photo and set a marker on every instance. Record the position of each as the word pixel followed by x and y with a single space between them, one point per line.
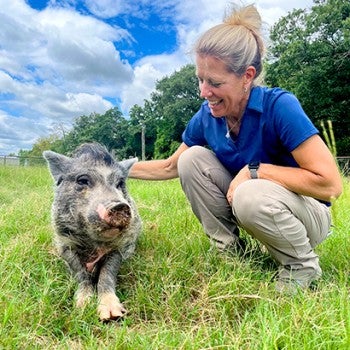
pixel 344 165
pixel 22 161
pixel 343 162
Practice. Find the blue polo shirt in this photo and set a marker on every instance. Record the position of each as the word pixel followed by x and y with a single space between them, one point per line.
pixel 273 125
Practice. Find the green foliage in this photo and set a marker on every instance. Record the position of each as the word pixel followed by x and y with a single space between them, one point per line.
pixel 328 135
pixel 174 102
pixel 143 117
pixel 310 56
pixel 180 293
pixel 110 129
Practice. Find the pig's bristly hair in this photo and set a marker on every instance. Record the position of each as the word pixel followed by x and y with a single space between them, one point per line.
pixel 94 152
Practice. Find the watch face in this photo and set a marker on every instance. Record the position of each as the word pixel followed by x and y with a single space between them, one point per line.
pixel 254 164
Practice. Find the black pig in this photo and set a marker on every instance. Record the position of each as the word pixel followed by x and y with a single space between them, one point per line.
pixel 95 220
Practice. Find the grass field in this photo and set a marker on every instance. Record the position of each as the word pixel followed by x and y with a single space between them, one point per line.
pixel 180 293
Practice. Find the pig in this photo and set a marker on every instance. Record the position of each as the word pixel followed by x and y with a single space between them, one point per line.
pixel 95 221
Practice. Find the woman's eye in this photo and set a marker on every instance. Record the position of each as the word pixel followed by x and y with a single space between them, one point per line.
pixel 83 180
pixel 210 82
pixel 214 84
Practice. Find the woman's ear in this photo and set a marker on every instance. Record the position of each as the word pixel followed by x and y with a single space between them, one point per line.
pixel 249 76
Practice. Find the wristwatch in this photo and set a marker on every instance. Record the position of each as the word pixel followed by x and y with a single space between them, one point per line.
pixel 253 168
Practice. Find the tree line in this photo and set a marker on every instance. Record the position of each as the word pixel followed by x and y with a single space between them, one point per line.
pixel 309 55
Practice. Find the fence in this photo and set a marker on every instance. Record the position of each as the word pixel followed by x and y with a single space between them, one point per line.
pixel 21 161
pixel 344 162
pixel 344 165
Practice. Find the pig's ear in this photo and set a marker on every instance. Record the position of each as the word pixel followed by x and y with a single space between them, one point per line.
pixel 127 163
pixel 58 163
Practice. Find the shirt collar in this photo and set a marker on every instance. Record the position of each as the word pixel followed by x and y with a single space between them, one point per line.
pixel 256 98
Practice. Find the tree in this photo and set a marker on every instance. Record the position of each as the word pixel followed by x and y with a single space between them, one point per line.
pixel 34 156
pixel 310 56
pixel 109 129
pixel 142 126
pixel 173 103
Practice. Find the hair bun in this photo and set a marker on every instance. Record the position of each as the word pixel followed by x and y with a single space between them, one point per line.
pixel 248 17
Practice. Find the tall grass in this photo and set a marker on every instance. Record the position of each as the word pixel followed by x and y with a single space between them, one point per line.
pixel 180 293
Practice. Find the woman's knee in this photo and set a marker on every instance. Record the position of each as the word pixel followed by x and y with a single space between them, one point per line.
pixel 188 158
pixel 246 202
pixel 254 200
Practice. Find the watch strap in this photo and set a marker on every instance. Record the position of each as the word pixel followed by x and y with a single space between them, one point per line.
pixel 253 169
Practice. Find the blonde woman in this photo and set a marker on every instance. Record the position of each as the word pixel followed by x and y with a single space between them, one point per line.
pixel 251 157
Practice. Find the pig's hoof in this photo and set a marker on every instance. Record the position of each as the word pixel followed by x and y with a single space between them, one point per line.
pixel 110 308
pixel 83 296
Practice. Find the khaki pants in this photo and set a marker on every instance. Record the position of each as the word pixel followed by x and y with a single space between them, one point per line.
pixel 289 225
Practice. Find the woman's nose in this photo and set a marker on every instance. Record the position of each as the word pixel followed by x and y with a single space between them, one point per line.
pixel 205 90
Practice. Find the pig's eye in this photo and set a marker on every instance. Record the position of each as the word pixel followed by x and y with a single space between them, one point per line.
pixel 83 180
pixel 119 184
pixel 59 180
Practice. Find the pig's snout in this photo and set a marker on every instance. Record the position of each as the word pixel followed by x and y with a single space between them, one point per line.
pixel 116 214
pixel 119 207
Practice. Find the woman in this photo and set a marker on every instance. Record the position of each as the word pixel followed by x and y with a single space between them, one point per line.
pixel 251 158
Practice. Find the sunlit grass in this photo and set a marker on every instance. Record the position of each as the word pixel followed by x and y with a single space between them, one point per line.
pixel 180 293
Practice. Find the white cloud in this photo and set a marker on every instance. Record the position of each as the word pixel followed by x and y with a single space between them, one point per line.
pixel 74 52
pixel 107 8
pixel 141 87
pixel 81 104
pixel 55 65
pixel 47 101
pixel 18 133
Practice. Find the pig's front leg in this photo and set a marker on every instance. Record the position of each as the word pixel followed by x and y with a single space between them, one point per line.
pixel 85 289
pixel 110 307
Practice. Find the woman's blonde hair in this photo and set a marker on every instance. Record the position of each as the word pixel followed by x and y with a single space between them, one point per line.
pixel 237 41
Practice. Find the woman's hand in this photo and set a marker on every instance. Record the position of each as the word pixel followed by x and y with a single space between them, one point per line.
pixel 243 175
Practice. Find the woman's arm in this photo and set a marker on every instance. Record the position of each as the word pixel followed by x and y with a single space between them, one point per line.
pixel 317 177
pixel 161 169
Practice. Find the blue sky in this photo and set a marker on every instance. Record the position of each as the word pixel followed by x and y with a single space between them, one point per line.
pixel 60 59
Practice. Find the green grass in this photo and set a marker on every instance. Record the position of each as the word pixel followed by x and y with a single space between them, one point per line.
pixel 180 293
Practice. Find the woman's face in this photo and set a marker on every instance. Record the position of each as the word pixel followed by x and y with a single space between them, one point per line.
pixel 224 91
